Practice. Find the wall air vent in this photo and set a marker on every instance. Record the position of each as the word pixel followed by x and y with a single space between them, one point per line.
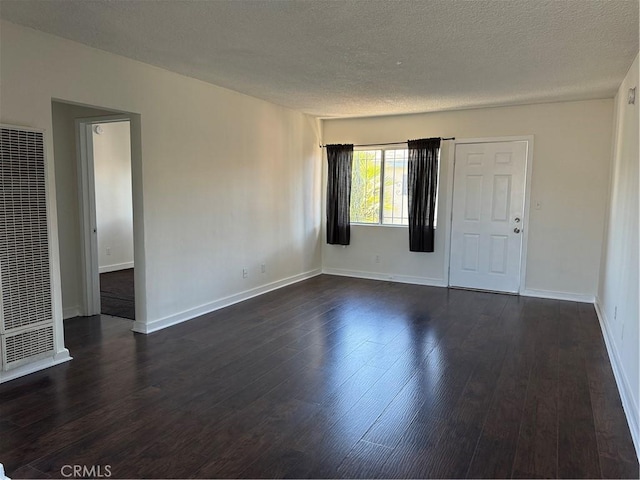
pixel 25 280
pixel 27 346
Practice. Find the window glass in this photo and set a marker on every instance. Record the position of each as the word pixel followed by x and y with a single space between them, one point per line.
pixel 379 192
pixel 394 205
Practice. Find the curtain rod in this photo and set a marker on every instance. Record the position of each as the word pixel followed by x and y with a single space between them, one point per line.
pixel 390 143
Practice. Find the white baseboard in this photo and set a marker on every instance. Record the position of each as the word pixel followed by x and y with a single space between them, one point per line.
pixel 441 282
pixel 70 312
pixel 115 267
pixel 389 277
pixel 159 324
pixel 630 410
pixel 572 297
pixel 60 357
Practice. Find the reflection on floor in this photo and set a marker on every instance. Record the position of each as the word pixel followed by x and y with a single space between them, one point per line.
pixel 117 295
pixel 331 377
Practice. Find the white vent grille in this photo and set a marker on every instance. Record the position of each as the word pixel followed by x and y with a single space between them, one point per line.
pixel 24 248
pixel 27 346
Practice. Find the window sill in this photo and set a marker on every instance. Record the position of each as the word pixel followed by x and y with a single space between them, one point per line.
pixel 383 225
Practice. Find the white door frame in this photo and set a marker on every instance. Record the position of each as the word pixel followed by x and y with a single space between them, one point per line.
pixel 87 205
pixel 527 200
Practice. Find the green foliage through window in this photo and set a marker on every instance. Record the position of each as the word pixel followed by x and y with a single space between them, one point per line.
pixel 365 186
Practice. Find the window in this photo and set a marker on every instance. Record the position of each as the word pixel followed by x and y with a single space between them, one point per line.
pixel 395 210
pixel 379 187
pixel 365 186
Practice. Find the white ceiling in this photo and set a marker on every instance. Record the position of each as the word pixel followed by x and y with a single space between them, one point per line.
pixel 371 57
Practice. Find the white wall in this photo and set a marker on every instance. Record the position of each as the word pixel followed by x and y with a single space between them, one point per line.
pixel 571 158
pixel 66 188
pixel 114 199
pixel 225 181
pixel 617 301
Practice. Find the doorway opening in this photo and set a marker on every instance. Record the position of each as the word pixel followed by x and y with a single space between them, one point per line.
pixel 114 217
pixel 104 154
pixel 80 215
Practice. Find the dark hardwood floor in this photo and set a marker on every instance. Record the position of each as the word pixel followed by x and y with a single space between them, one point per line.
pixel 331 377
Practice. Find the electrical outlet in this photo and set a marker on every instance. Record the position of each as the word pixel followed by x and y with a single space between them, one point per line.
pixel 377 259
pixel 245 273
pixel 263 268
pixel 108 250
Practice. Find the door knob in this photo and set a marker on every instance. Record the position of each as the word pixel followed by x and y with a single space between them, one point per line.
pixel 516 230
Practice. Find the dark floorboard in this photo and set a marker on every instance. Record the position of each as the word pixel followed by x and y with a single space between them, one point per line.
pixel 330 378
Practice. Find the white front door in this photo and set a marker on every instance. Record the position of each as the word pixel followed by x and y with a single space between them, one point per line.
pixel 487 217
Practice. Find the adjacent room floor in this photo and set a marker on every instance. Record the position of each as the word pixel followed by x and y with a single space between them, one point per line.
pixel 331 377
pixel 117 294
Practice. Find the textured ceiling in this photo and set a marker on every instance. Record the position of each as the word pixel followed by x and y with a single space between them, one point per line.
pixel 372 57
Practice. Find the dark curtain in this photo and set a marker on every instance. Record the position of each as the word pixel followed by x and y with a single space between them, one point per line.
pixel 339 193
pixel 422 188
